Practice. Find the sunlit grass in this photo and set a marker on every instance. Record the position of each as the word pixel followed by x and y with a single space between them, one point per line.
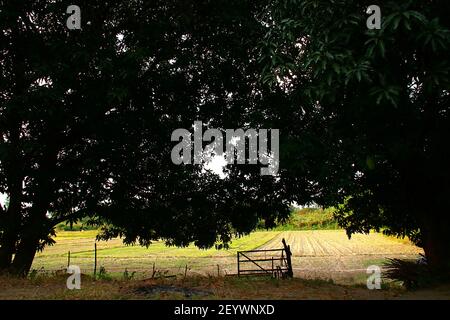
pixel 115 255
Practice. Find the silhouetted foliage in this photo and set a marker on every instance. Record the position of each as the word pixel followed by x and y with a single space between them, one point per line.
pixel 86 118
pixel 369 113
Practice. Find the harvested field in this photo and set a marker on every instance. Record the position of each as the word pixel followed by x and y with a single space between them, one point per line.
pixel 115 257
pixel 330 254
pixel 323 254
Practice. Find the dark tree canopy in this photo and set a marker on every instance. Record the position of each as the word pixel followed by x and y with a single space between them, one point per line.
pixel 86 118
pixel 371 112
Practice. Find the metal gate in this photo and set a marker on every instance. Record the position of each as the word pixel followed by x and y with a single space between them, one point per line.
pixel 271 262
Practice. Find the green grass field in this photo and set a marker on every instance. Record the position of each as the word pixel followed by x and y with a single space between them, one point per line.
pixel 115 257
pixel 309 219
pixel 327 265
pixel 320 249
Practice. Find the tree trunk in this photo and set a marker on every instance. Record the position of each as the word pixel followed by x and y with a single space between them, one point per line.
pixel 437 243
pixel 24 256
pixel 30 236
pixel 7 248
pixel 10 227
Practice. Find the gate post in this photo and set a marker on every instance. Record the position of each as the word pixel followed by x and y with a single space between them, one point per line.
pixel 287 248
pixel 238 265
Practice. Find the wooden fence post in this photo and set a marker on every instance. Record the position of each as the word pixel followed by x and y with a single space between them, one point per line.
pixel 68 259
pixel 95 259
pixel 273 268
pixel 287 248
pixel 238 266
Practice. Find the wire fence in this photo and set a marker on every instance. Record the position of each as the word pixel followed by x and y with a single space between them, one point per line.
pixel 326 257
pixel 340 269
pixel 91 263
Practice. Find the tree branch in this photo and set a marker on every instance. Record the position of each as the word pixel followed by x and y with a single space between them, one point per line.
pixel 74 215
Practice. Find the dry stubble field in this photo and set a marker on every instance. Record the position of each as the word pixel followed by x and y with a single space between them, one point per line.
pixel 329 254
pixel 324 254
pixel 317 257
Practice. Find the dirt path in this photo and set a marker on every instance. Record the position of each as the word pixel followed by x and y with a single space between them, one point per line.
pixel 210 287
pixel 330 254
